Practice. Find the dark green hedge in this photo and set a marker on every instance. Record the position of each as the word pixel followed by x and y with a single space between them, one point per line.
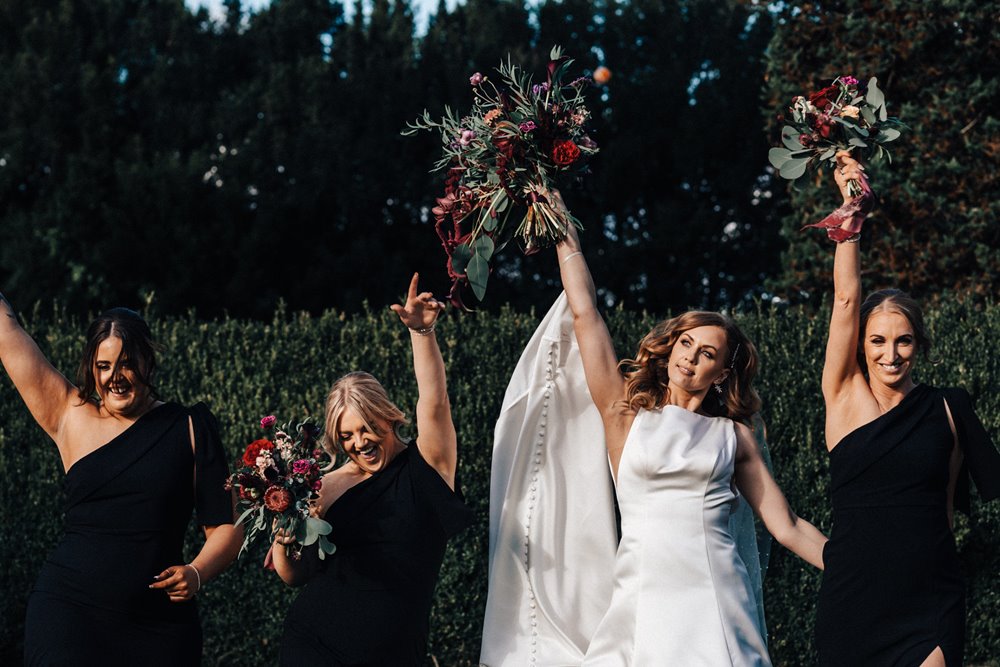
pixel 247 369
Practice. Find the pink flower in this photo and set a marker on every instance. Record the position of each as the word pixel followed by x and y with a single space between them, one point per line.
pixel 476 79
pixel 301 466
pixel 848 80
pixel 527 126
pixel 317 485
pixel 268 421
pixel 467 137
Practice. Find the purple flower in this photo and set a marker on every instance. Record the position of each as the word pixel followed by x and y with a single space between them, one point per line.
pixel 539 88
pixel 527 126
pixel 848 80
pixel 268 421
pixel 476 79
pixel 301 466
pixel 467 137
pixel 587 142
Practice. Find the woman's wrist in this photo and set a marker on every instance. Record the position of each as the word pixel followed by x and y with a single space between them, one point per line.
pixel 197 574
pixel 423 331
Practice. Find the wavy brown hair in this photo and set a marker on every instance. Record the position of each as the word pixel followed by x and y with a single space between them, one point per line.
pixel 138 348
pixel 646 375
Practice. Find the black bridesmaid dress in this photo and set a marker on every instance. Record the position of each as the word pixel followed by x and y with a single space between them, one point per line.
pixel 370 602
pixel 128 505
pixel 892 587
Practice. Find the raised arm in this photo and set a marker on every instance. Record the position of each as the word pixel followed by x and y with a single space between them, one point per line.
pixel 45 391
pixel 840 368
pixel 755 483
pixel 600 363
pixel 436 432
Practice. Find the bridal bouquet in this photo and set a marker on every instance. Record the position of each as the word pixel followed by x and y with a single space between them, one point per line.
pixel 504 155
pixel 842 116
pixel 277 479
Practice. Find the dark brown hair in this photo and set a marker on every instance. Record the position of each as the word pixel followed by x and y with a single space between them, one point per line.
pixel 137 347
pixel 646 375
pixel 893 301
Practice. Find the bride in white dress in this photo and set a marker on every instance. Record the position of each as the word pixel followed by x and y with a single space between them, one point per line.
pixel 675 591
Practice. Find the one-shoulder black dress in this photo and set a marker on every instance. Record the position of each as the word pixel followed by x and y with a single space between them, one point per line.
pixel 128 505
pixel 370 602
pixel 892 588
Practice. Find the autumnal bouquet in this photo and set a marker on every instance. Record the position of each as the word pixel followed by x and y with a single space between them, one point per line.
pixel 504 156
pixel 277 479
pixel 844 116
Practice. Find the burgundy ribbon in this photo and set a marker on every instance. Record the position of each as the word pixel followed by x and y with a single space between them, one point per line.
pixel 854 211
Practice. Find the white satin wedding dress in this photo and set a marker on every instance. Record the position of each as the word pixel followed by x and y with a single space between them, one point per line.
pixel 561 593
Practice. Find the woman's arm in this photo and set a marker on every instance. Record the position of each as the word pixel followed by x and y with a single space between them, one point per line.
pixel 45 391
pixel 182 582
pixel 294 572
pixel 840 368
pixel 768 502
pixel 600 363
pixel 437 440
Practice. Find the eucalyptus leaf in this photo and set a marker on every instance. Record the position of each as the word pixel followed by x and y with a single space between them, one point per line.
pixel 882 114
pixel 778 156
pixel 874 96
pixel 489 222
pixel 478 272
pixel 460 257
pixel 790 138
pixel 794 168
pixel 321 527
pixel 828 153
pixel 868 115
pixel 244 516
pixel 502 203
pixel 483 247
pixel 854 141
pixel 887 134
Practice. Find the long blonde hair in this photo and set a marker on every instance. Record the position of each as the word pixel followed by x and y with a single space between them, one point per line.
pixel 646 376
pixel 365 395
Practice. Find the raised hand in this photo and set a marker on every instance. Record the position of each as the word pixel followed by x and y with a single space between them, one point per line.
pixel 848 169
pixel 421 309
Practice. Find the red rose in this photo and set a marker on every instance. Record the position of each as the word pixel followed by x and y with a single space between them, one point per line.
pixel 822 99
pixel 824 125
pixel 253 451
pixel 565 152
pixel 277 499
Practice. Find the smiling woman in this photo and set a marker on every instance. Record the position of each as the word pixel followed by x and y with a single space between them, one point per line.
pixel 393 505
pixel 115 588
pixel 900 457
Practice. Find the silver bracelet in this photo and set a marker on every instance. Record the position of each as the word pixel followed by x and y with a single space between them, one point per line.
pixel 571 256
pixel 197 574
pixel 424 331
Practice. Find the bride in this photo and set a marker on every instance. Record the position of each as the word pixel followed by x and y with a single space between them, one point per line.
pixel 676 590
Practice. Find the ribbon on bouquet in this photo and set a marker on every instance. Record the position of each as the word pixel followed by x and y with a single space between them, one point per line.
pixel 855 211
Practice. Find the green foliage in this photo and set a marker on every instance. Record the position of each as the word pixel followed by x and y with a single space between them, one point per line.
pixel 246 369
pixel 145 148
pixel 934 230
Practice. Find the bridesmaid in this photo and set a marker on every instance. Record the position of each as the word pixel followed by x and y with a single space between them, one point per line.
pixel 116 590
pixel 892 591
pixel 393 506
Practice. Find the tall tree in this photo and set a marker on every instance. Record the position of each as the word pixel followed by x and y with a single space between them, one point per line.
pixel 935 230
